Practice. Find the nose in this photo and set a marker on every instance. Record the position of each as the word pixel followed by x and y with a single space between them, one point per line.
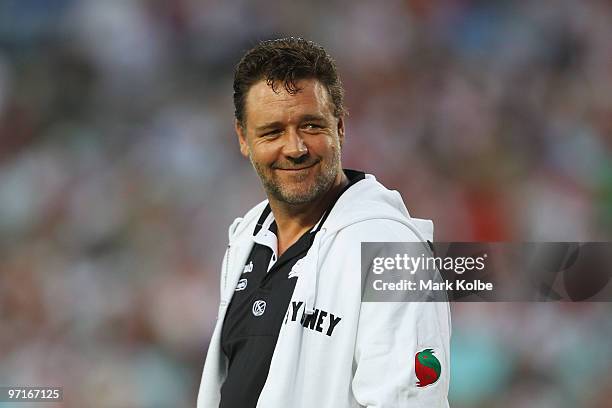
pixel 294 146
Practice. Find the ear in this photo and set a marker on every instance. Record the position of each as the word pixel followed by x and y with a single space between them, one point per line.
pixel 341 130
pixel 244 147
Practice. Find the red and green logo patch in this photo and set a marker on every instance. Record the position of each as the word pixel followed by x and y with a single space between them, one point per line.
pixel 427 367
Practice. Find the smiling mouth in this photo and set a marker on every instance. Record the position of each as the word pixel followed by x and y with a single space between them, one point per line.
pixel 298 169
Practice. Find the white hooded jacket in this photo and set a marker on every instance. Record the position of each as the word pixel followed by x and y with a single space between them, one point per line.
pixel 362 354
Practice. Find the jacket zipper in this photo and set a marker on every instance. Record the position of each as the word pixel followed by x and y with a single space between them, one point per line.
pixel 225 273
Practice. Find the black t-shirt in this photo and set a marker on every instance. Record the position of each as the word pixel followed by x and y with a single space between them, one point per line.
pixel 258 306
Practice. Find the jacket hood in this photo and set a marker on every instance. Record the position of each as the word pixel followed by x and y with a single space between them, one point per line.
pixel 367 200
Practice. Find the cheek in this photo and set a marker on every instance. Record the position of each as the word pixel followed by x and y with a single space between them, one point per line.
pixel 264 152
pixel 322 144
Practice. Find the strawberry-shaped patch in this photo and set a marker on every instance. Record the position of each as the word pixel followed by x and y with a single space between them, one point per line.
pixel 427 367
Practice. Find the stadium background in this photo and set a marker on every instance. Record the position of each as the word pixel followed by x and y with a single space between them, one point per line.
pixel 119 173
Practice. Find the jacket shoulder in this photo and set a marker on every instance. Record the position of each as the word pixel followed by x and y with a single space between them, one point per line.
pixel 390 230
pixel 379 230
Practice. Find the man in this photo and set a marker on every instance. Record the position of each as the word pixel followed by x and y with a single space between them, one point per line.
pixel 291 329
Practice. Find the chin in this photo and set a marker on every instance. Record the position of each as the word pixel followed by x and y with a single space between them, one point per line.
pixel 298 197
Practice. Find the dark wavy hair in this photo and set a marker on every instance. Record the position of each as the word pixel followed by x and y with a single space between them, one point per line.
pixel 286 61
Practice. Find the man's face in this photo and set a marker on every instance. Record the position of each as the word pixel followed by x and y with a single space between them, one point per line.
pixel 293 141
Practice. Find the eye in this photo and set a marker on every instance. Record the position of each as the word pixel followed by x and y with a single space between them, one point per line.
pixel 311 126
pixel 271 133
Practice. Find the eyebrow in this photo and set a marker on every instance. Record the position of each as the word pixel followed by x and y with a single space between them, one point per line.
pixel 304 118
pixel 310 118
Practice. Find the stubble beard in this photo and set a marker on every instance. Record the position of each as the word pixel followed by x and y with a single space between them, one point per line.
pixel 324 180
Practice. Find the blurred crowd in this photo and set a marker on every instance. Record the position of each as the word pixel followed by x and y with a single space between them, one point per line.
pixel 120 172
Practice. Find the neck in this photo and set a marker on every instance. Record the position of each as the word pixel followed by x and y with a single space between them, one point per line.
pixel 293 220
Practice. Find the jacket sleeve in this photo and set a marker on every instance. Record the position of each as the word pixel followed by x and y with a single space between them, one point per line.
pixel 389 337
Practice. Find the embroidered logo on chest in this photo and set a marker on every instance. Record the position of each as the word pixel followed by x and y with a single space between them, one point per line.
pixel 295 270
pixel 242 284
pixel 259 307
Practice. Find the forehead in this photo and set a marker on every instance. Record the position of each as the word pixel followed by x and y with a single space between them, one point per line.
pixel 263 104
